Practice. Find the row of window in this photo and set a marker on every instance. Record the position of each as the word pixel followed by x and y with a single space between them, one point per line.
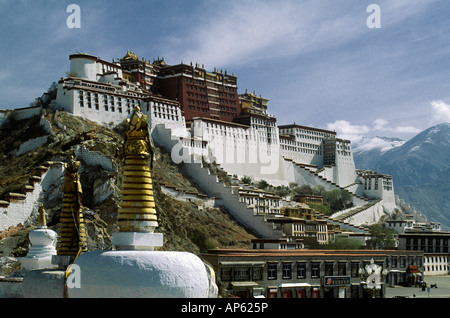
pixel 403 261
pixel 159 110
pixel 262 122
pixel 431 246
pixel 307 134
pixel 436 268
pixel 288 271
pixel 193 144
pixel 208 84
pixel 387 184
pixel 304 270
pixel 427 241
pixel 250 200
pixel 436 264
pixel 106 88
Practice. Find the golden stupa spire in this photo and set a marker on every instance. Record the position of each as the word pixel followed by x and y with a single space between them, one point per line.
pixel 72 231
pixel 137 211
pixel 42 222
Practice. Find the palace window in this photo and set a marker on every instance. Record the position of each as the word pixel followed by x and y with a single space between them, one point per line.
pixel 315 270
pixel 226 274
pixel 301 270
pixel 287 270
pixel 241 274
pixel 394 261
pixel 257 273
pixel 419 261
pixel 81 97
pixel 342 269
pixel 354 269
pixel 271 271
pixel 328 269
pixel 402 261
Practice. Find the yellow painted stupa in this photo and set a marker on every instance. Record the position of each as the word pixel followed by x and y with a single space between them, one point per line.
pixel 137 207
pixel 72 231
pixel 136 217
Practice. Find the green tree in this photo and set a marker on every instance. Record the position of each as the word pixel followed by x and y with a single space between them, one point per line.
pixel 324 208
pixel 381 238
pixel 319 190
pixel 292 185
pixel 281 191
pixel 262 184
pixel 247 180
pixel 338 199
pixel 343 243
pixel 304 189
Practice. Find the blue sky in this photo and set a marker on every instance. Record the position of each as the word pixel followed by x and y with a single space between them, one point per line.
pixel 317 61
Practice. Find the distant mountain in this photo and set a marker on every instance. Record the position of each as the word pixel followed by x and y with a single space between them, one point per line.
pixel 420 168
pixel 369 149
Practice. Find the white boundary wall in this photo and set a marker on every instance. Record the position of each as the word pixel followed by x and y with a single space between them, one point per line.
pixel 20 211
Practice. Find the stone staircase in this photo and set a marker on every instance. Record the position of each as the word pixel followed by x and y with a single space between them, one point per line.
pixel 16 208
pixel 329 185
pixel 363 215
pixel 353 211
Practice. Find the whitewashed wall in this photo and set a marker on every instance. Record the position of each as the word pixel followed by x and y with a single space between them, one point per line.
pixel 19 212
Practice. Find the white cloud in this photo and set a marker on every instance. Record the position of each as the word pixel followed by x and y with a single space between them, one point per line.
pixel 381 124
pixel 359 134
pixel 346 130
pixel 381 144
pixel 440 112
pixel 406 130
pixel 242 31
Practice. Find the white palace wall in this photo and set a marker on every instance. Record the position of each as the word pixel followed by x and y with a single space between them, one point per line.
pixel 20 210
pixel 107 103
pixel 84 67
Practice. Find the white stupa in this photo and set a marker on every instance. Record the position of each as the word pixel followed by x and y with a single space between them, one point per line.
pixel 43 243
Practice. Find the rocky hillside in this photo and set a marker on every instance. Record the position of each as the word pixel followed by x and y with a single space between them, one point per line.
pixel 186 226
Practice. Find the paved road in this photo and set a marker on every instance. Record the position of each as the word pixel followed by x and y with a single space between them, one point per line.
pixel 443 290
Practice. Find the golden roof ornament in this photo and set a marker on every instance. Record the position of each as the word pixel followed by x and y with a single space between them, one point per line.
pixel 130 56
pixel 137 211
pixel 72 231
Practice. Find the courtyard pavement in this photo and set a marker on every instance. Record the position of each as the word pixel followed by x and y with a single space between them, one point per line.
pixel 442 290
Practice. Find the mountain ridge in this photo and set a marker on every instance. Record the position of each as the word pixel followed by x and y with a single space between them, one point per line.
pixel 420 169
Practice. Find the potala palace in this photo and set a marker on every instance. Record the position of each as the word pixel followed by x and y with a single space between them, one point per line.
pixel 199 117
